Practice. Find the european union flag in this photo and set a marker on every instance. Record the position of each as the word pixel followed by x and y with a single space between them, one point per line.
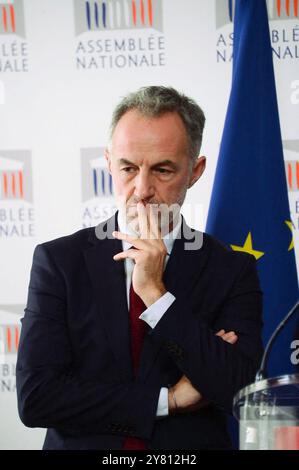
pixel 249 208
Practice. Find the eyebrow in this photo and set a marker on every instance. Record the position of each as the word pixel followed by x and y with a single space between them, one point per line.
pixel 124 161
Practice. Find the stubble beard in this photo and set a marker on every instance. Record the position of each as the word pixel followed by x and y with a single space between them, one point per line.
pixel 167 215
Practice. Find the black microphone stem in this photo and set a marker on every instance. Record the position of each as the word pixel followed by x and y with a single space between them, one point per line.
pixel 261 374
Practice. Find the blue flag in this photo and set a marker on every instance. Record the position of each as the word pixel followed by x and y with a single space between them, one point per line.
pixel 249 208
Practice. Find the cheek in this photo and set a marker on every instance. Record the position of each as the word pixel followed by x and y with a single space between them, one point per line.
pixel 121 185
pixel 173 190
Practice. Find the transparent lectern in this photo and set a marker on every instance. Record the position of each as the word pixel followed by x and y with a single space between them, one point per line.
pixel 268 414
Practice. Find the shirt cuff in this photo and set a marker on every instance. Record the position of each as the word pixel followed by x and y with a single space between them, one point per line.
pixel 162 408
pixel 155 312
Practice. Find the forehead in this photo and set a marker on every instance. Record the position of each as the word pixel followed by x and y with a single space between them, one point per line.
pixel 164 133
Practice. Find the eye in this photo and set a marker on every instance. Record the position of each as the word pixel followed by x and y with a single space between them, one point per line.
pixel 163 171
pixel 128 169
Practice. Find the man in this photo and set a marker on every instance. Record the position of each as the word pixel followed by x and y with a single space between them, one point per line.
pixel 137 334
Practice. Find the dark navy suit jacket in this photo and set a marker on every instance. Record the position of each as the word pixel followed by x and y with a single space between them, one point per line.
pixel 74 368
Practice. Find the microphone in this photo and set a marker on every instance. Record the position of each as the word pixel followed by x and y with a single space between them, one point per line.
pixel 261 374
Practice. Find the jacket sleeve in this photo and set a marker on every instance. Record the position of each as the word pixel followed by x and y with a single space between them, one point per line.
pixel 214 367
pixel 50 394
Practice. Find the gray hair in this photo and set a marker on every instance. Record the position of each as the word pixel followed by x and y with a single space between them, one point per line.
pixel 154 101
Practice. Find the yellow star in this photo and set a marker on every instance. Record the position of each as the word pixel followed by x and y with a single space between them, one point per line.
pixel 290 225
pixel 247 247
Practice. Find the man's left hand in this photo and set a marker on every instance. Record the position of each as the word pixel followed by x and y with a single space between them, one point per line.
pixel 229 337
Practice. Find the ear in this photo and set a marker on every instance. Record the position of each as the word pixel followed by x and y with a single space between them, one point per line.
pixel 108 159
pixel 197 170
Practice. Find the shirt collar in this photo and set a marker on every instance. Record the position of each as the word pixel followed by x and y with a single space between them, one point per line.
pixel 168 239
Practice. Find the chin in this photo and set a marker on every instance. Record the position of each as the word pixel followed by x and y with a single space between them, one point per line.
pixel 131 214
pixel 134 225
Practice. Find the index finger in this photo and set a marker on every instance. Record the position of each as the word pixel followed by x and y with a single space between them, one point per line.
pixel 142 219
pixel 154 221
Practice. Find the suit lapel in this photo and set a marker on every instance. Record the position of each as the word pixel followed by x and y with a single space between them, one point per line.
pixel 186 260
pixel 108 280
pixel 182 271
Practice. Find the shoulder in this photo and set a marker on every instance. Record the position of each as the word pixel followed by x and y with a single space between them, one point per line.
pixel 66 249
pixel 69 242
pixel 226 259
pixel 69 250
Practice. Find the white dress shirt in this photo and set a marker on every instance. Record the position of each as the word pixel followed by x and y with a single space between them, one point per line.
pixel 154 312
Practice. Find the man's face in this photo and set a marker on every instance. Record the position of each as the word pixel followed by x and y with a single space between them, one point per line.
pixel 150 163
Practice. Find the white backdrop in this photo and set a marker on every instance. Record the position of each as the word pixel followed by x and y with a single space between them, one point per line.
pixel 64 64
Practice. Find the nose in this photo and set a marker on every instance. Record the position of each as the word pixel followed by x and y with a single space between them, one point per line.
pixel 144 189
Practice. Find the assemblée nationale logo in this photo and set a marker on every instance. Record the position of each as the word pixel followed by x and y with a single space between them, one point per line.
pixel 284 33
pixel 291 149
pixel 13 47
pixel 97 188
pixel 291 153
pixel 10 329
pixel 119 34
pixel 16 199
